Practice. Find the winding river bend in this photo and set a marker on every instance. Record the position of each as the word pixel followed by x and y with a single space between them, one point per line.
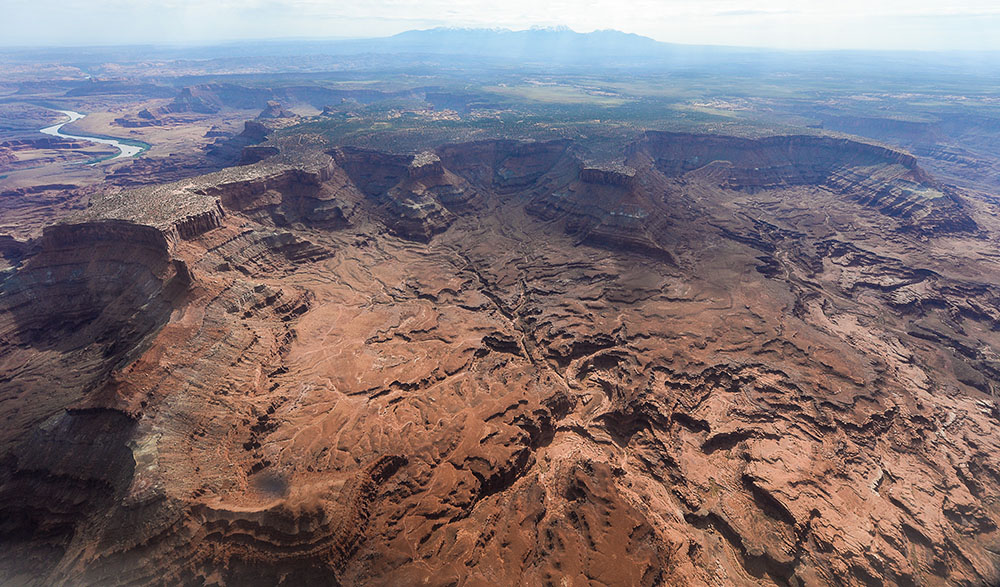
pixel 124 150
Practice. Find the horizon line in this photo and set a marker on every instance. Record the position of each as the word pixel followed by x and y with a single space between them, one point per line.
pixel 207 43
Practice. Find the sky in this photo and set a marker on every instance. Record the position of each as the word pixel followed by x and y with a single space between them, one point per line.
pixel 791 24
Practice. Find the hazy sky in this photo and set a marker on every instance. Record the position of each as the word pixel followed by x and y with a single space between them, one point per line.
pixel 807 24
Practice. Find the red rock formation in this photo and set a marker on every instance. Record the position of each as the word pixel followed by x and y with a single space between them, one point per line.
pixel 878 176
pixel 405 189
pixel 207 381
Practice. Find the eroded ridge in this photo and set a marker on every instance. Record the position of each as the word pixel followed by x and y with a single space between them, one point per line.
pixel 715 360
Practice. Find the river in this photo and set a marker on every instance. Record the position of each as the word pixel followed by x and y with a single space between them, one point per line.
pixel 124 150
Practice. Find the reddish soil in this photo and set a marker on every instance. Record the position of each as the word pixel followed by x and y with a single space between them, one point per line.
pixel 720 361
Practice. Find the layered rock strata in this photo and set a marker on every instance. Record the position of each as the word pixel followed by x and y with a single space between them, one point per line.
pixel 715 362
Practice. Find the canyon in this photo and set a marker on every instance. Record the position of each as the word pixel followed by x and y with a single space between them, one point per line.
pixel 708 359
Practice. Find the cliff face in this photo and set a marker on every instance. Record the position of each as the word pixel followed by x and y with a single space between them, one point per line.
pixel 504 165
pixel 316 196
pixel 409 192
pixel 193 99
pixel 85 305
pixel 95 291
pixel 720 362
pixel 885 179
pixel 605 206
pixel 72 278
pixel 770 161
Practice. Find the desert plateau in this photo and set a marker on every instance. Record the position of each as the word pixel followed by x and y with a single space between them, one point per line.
pixel 421 311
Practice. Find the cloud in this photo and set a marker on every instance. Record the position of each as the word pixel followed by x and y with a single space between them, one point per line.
pixel 754 12
pixel 784 23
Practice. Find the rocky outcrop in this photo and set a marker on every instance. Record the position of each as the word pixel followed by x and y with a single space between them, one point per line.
pixel 143 118
pixel 255 131
pixel 888 128
pixel 57 478
pixel 216 132
pixel 925 208
pixel 616 175
pixel 317 196
pixel 93 294
pixel 275 110
pixel 604 206
pixel 244 148
pixel 885 179
pixel 12 249
pixel 67 236
pixel 193 99
pixel 742 163
pixel 161 212
pixel 424 165
pixel 503 164
pixel 255 154
pixel 194 225
pixel 405 189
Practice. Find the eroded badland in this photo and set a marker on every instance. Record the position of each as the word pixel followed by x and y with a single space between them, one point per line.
pixel 706 357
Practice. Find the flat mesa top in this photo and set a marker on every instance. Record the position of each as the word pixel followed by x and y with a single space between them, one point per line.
pixel 619 168
pixel 163 205
pixel 424 158
pixel 157 206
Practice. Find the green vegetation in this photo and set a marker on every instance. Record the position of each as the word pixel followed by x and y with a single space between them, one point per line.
pixel 426 105
pixel 556 94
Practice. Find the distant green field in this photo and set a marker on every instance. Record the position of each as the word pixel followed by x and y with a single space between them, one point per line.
pixel 609 108
pixel 555 94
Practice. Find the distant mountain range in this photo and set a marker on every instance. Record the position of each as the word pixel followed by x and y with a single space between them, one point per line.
pixel 542 47
pixel 541 44
pixel 558 45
